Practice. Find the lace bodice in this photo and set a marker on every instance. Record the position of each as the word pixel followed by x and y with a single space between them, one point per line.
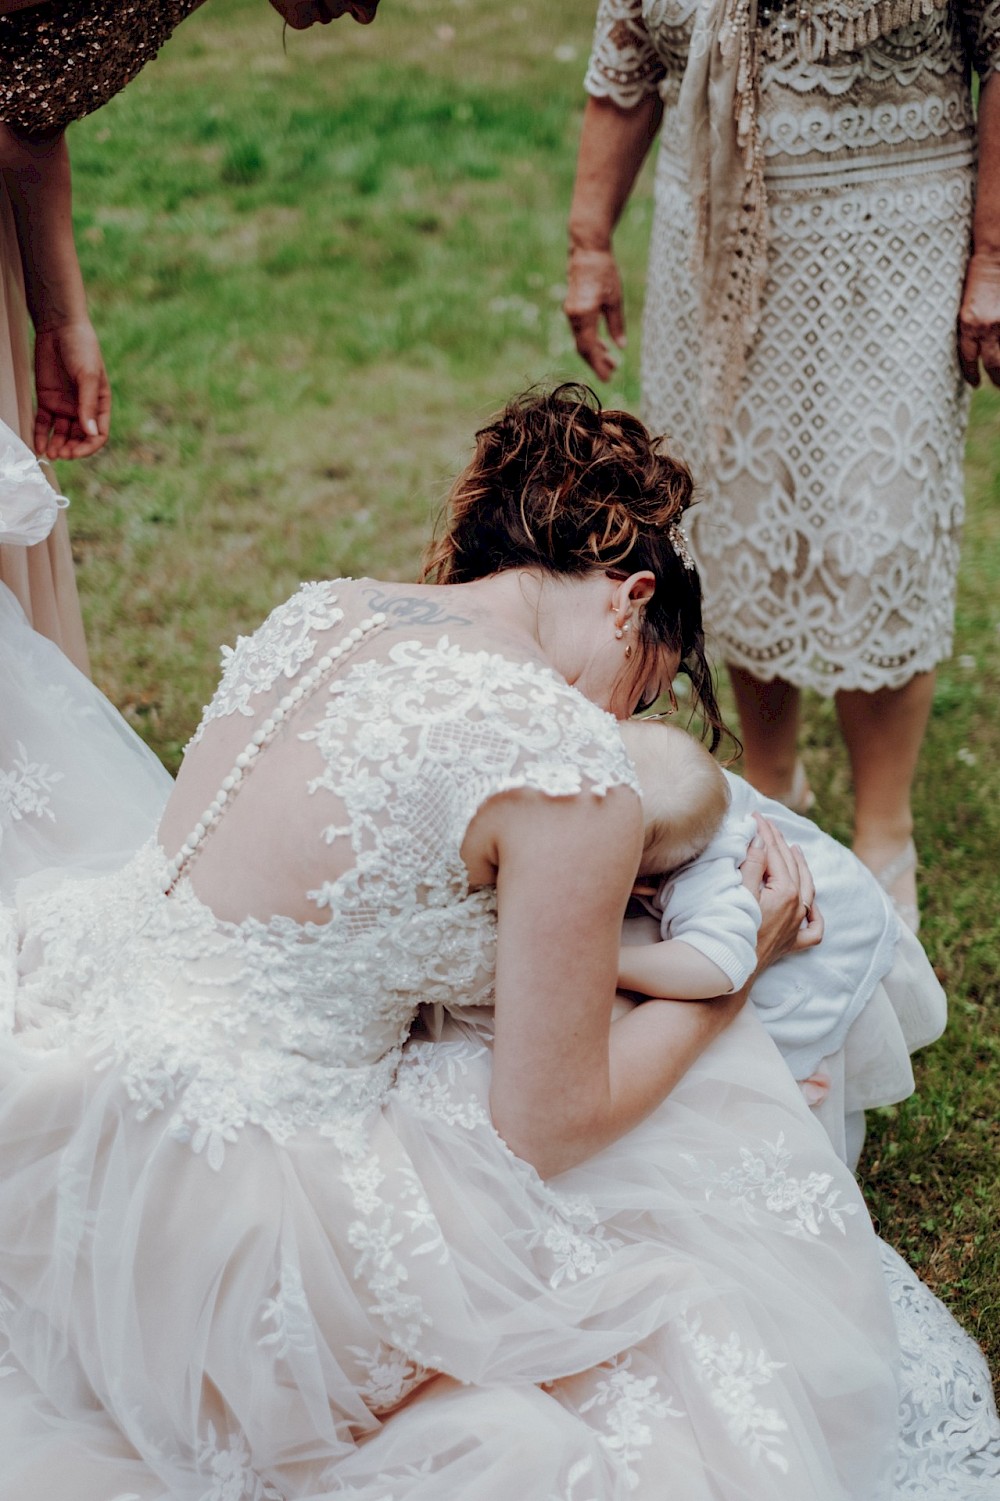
pixel 287 1023
pixel 908 90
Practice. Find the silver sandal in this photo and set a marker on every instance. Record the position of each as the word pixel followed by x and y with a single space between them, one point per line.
pixel 905 861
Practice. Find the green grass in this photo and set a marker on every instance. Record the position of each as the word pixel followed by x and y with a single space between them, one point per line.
pixel 315 273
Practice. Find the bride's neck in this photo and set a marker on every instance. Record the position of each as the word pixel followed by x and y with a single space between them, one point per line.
pixel 541 610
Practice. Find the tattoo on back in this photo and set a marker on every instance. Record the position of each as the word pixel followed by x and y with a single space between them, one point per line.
pixel 411 609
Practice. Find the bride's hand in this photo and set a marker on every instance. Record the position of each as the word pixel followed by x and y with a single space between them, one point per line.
pixel 778 877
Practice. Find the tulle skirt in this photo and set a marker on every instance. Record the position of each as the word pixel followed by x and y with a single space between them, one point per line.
pixel 701 1311
pixel 697 1301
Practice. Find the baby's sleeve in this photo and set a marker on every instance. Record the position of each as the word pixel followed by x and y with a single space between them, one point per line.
pixel 707 906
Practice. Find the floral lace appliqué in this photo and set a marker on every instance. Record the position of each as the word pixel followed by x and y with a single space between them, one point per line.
pixel 762 1182
pixel 279 648
pixel 629 1405
pixel 24 790
pixel 733 1376
pixel 949 1431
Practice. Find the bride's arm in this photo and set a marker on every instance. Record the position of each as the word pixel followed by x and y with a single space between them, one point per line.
pixel 565 1082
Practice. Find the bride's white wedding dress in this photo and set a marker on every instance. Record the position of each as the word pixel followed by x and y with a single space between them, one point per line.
pixel 251 1199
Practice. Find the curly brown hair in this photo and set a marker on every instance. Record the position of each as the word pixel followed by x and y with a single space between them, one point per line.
pixel 558 483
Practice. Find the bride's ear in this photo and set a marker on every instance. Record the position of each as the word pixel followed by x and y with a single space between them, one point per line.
pixel 636 590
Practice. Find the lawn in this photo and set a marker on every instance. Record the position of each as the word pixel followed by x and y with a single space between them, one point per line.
pixel 316 268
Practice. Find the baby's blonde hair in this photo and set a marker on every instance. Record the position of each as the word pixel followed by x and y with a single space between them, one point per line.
pixel 684 794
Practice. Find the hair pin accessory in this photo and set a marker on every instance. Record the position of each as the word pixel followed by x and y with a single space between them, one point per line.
pixel 677 537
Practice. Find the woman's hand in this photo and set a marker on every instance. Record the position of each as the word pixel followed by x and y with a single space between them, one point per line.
pixel 74 398
pixel 595 292
pixel 613 145
pixel 778 877
pixel 71 383
pixel 979 319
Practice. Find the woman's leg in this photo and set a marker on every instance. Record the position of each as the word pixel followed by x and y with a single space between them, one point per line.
pixel 883 732
pixel 769 728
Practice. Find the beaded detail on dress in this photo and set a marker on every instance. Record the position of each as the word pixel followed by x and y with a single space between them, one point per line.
pixel 290 1025
pixel 64 59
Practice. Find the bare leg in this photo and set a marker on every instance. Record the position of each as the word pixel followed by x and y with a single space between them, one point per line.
pixel 884 731
pixel 769 728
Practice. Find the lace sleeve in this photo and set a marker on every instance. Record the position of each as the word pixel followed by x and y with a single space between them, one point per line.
pixel 279 648
pixel 522 727
pixel 624 66
pixel 414 745
pixel 981 30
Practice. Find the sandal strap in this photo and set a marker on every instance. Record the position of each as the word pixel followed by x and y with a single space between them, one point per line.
pixel 905 861
pixel 908 914
pixel 800 797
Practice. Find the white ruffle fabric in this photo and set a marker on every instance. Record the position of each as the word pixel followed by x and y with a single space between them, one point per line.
pixel 701 1310
pixel 78 788
pixel 28 504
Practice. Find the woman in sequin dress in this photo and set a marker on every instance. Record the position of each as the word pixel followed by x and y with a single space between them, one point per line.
pixel 72 414
pixel 810 245
pixel 59 62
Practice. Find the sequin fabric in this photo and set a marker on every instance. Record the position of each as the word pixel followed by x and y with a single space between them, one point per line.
pixel 59 62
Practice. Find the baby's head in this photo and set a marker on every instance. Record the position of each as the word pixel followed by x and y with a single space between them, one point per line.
pixel 684 793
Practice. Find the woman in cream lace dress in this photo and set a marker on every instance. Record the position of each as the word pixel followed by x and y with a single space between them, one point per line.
pixel 799 341
pixel 323 1170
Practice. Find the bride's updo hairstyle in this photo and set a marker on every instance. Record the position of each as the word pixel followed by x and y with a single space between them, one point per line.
pixel 559 484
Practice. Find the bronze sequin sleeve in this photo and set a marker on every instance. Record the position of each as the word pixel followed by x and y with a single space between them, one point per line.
pixel 61 61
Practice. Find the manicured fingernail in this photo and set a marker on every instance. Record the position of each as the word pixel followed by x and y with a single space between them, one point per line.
pixel 91 427
pixel 756 842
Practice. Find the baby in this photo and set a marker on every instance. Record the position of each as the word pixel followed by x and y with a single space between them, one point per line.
pixel 845 1013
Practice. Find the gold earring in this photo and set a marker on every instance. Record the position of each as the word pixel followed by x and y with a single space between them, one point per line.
pixel 628 651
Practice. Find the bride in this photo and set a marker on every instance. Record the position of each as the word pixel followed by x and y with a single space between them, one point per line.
pixel 323 1169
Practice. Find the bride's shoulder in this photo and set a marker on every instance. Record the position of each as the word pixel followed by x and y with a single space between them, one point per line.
pixel 511 712
pixel 279 647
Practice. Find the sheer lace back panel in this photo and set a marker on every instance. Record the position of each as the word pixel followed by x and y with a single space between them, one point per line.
pixel 273 978
pixel 345 753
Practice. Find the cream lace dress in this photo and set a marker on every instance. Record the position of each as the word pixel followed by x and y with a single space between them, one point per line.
pixel 251 1197
pixel 828 541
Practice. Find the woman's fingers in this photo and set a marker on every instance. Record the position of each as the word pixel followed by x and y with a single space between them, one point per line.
pixel 811 931
pixel 594 292
pixel 979 319
pixel 754 866
pixel 807 886
pixel 781 874
pixel 590 346
pixel 790 918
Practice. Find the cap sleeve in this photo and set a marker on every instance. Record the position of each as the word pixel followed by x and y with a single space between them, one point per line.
pixel 624 66
pixel 532 731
